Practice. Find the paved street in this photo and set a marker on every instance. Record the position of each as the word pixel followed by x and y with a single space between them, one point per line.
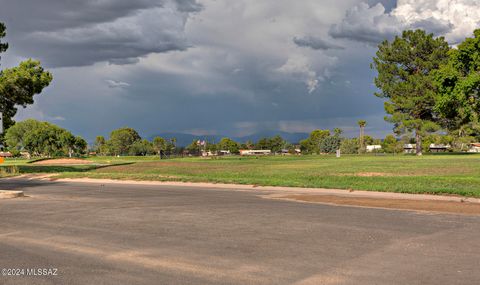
pixel 132 234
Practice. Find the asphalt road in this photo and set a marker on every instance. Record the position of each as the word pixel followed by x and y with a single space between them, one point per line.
pixel 130 234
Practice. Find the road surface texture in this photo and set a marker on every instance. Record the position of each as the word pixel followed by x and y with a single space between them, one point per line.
pixel 141 234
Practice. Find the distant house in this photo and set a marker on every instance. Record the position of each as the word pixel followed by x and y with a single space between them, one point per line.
pixel 373 148
pixel 247 152
pixel 439 147
pixel 409 148
pixel 5 154
pixel 208 153
pixel 223 152
pixel 474 147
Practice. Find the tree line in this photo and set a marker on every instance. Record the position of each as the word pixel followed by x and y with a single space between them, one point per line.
pixel 127 141
pixel 48 140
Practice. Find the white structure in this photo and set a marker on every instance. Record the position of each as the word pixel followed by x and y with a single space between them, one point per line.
pixel 409 148
pixel 439 147
pixel 255 152
pixel 373 148
pixel 474 147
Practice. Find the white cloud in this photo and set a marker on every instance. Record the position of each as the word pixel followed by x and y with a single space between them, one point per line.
pixel 366 24
pixel 462 15
pixel 454 19
pixel 135 30
pixel 116 84
pixel 299 67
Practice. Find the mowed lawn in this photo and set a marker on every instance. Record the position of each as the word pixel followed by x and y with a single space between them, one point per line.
pixel 436 174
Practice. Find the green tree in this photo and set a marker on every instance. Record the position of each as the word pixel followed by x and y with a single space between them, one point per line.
pixel 159 145
pixel 330 144
pixel 312 143
pixel 122 139
pixel 337 132
pixel 405 69
pixel 194 148
pixel 141 148
pixel 43 139
pixel 230 145
pixel 391 145
pixel 349 146
pixel 458 82
pixel 276 144
pixel 15 135
pixel 171 146
pixel 19 84
pixel 99 145
pixel 263 143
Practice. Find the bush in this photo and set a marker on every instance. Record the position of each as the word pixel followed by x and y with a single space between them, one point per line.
pixel 330 144
pixel 349 146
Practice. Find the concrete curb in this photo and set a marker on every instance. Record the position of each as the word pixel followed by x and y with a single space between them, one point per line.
pixel 5 194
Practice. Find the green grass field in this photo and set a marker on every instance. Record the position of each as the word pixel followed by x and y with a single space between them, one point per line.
pixel 435 174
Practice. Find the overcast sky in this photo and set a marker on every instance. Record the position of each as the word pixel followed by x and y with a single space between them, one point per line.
pixel 216 66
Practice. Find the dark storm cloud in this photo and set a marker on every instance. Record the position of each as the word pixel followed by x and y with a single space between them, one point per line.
pixel 315 43
pixel 366 24
pixel 76 33
pixel 188 6
pixel 432 25
pixel 243 76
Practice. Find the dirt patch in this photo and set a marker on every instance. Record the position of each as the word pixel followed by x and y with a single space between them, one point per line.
pixel 62 161
pixel 402 204
pixel 372 174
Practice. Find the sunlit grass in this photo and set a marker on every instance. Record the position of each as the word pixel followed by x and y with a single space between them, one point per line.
pixel 445 174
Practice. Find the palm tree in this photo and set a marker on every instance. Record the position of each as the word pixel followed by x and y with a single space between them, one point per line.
pixel 362 124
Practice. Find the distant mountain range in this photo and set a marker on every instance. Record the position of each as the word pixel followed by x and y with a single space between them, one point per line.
pixel 186 139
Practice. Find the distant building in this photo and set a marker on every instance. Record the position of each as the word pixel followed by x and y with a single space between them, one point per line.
pixel 247 152
pixel 223 152
pixel 208 153
pixel 409 148
pixel 5 154
pixel 439 147
pixel 474 147
pixel 373 148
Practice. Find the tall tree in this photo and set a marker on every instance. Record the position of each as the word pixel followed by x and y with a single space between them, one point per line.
pixel 229 144
pixel 313 142
pixel 362 124
pixel 159 145
pixel 99 145
pixel 18 85
pixel 458 82
pixel 405 66
pixel 122 139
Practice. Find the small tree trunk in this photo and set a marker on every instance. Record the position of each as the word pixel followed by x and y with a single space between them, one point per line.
pixel 418 140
